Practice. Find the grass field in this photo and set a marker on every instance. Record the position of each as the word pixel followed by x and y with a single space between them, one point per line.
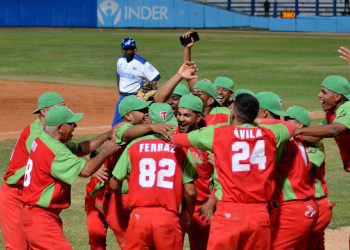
pixel 290 64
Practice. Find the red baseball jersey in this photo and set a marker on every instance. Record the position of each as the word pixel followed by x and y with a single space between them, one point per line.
pixel 318 171
pixel 157 171
pixel 342 115
pixel 294 181
pixel 20 153
pixel 50 172
pixel 205 171
pixel 217 115
pixel 93 186
pixel 244 159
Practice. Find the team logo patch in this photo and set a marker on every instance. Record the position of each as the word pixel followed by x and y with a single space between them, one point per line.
pixel 310 212
pixel 151 68
pixel 341 114
pixel 228 215
pixel 163 114
pixel 198 159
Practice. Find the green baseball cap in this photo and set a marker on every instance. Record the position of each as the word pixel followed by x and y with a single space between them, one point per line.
pixel 270 101
pixel 162 112
pixel 224 82
pixel 132 103
pixel 60 115
pixel 300 114
pixel 208 88
pixel 181 90
pixel 191 102
pixel 337 84
pixel 48 99
pixel 243 91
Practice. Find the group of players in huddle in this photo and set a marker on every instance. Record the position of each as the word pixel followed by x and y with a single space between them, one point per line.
pixel 228 167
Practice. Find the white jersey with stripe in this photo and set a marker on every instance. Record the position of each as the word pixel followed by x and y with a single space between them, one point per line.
pixel 132 75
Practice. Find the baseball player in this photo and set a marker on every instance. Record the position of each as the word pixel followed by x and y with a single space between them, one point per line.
pixel 50 171
pixel 179 91
pixel 293 211
pixel 335 96
pixel 213 111
pixel 225 90
pixel 95 220
pixel 243 175
pixel 158 174
pixel 132 71
pixel 315 152
pixel 270 105
pixel 188 117
pixel 116 205
pixel 11 190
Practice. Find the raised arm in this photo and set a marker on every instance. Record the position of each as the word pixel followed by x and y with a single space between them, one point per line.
pixel 186 71
pixel 187 56
pixel 344 54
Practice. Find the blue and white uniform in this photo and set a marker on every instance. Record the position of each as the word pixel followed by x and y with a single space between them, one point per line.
pixel 132 76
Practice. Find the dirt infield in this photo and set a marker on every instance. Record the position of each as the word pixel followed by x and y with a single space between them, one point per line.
pixel 19 99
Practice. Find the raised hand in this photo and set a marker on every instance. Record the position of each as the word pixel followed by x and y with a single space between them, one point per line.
pixel 344 54
pixel 187 70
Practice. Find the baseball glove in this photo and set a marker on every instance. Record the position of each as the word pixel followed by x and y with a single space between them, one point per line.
pixel 147 91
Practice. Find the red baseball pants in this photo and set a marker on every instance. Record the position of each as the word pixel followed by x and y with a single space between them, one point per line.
pixel 317 236
pixel 198 231
pixel 96 225
pixel 117 213
pixel 153 228
pixel 43 229
pixel 291 224
pixel 240 226
pixel 10 211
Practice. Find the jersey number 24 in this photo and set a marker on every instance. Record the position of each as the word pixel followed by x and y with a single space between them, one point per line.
pixel 243 157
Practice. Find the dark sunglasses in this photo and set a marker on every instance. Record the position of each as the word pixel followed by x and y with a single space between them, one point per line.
pixel 129 48
pixel 72 124
pixel 144 110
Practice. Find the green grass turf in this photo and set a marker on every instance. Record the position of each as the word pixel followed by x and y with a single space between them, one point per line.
pixel 290 64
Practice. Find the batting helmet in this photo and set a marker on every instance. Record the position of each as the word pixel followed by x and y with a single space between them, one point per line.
pixel 128 42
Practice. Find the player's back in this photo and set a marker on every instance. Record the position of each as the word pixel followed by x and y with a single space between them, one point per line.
pixel 294 181
pixel 40 187
pixel 244 162
pixel 20 153
pixel 156 174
